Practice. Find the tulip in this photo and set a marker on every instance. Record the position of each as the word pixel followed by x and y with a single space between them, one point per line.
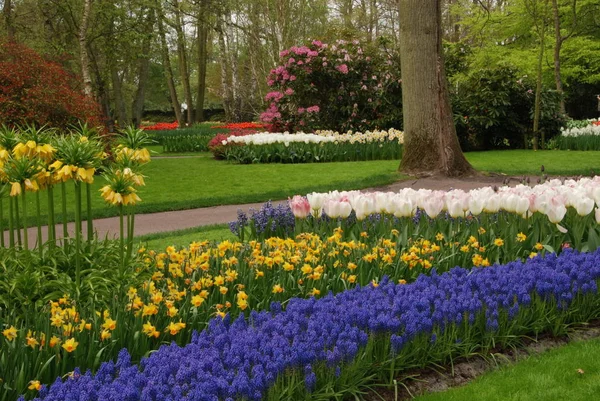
pixel 584 206
pixel 455 208
pixel 433 205
pixel 556 210
pixel 316 201
pixel 476 204
pixel 402 207
pixel 364 206
pixel 300 206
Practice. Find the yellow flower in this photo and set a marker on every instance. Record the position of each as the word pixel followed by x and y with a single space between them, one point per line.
pixel 197 300
pixel 352 278
pixel 35 385
pixel 15 188
pixel 10 333
pixel 149 310
pixel 498 242
pixel 481 230
pixel 32 342
pixel 70 345
pixel 315 292
pixel 219 280
pixel 351 266
pixel 277 289
pixel 105 335
pixel 521 237
pixel 223 290
pixel 439 237
pixel 174 328
pixel 242 304
pixel 172 311
pixel 532 255
pixel 54 341
pixel 109 324
pixel 539 246
pixel 402 281
pixel 150 330
pixel 464 248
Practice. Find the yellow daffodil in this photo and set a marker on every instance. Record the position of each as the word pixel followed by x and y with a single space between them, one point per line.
pixel 35 385
pixel 70 345
pixel 10 333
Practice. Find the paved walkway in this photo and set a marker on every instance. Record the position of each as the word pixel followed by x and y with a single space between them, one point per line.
pixel 177 220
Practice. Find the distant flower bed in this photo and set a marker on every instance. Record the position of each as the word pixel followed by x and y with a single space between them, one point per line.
pixel 162 126
pixel 323 146
pixel 235 126
pixel 578 136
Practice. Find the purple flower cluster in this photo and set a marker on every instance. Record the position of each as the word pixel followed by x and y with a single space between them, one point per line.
pixel 266 222
pixel 242 359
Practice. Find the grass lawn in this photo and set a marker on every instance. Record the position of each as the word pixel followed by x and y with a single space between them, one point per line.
pixel 556 162
pixel 550 376
pixel 183 238
pixel 186 183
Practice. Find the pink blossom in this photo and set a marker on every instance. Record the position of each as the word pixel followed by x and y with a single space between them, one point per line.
pixel 325 64
pixel 317 43
pixel 292 77
pixel 300 206
pixel 313 109
pixel 270 82
pixel 300 62
pixel 343 68
pixel 289 91
pixel 312 53
pixel 274 96
pixel 301 110
pixel 291 60
pixel 283 53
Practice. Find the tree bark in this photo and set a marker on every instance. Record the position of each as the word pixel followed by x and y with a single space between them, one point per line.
pixel 8 20
pixel 183 62
pixel 202 29
pixel 223 59
pixel 430 142
pixel 120 110
pixel 137 108
pixel 164 48
pixel 541 29
pixel 83 48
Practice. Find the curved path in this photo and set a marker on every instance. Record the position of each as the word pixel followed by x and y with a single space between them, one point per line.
pixel 176 220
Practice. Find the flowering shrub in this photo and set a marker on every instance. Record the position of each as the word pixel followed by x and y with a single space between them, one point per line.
pixel 162 126
pixel 317 341
pixel 241 126
pixel 39 92
pixel 323 146
pixel 344 85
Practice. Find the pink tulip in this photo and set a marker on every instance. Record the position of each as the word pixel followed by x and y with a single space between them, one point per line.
pixel 300 206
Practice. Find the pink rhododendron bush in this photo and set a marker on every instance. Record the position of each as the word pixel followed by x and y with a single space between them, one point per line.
pixel 342 86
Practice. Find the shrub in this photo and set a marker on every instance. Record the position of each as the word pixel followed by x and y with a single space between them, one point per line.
pixel 344 86
pixel 39 92
pixel 494 107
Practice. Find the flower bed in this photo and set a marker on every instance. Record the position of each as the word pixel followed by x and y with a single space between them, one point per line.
pixel 579 137
pixel 162 126
pixel 340 343
pixel 323 146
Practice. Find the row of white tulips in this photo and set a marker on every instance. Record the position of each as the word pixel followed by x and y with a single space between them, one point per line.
pixel 266 138
pixel 585 131
pixel 551 198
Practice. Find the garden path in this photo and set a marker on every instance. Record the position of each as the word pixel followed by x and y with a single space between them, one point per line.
pixel 182 219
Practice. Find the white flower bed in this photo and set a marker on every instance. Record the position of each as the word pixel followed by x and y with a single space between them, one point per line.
pixel 266 138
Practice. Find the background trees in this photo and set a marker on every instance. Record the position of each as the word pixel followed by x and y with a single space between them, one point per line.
pixel 150 57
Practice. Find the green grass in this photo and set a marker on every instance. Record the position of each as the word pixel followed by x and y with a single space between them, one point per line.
pixel 517 162
pixel 550 376
pixel 183 238
pixel 187 183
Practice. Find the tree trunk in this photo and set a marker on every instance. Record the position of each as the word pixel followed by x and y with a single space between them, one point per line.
pixel 120 110
pixel 225 87
pixel 164 48
pixel 8 20
pixel 202 59
pixel 137 108
pixel 538 87
pixel 557 49
pixel 183 63
pixel 430 142
pixel 83 48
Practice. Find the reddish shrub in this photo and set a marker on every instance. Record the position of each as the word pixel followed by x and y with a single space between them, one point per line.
pixel 241 126
pixel 37 91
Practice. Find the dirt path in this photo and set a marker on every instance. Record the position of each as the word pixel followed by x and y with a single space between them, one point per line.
pixel 177 220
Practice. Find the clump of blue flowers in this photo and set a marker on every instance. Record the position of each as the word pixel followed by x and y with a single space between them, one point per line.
pixel 315 339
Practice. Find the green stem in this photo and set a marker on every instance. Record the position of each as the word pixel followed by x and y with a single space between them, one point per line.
pixel 2 222
pixel 90 222
pixel 11 226
pixel 25 233
pixel 130 231
pixel 39 221
pixel 17 221
pixel 77 234
pixel 51 221
pixel 121 236
pixel 63 188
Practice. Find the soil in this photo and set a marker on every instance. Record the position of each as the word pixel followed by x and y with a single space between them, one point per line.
pixel 423 381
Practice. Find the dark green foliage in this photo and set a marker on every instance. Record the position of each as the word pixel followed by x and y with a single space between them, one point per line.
pixel 493 109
